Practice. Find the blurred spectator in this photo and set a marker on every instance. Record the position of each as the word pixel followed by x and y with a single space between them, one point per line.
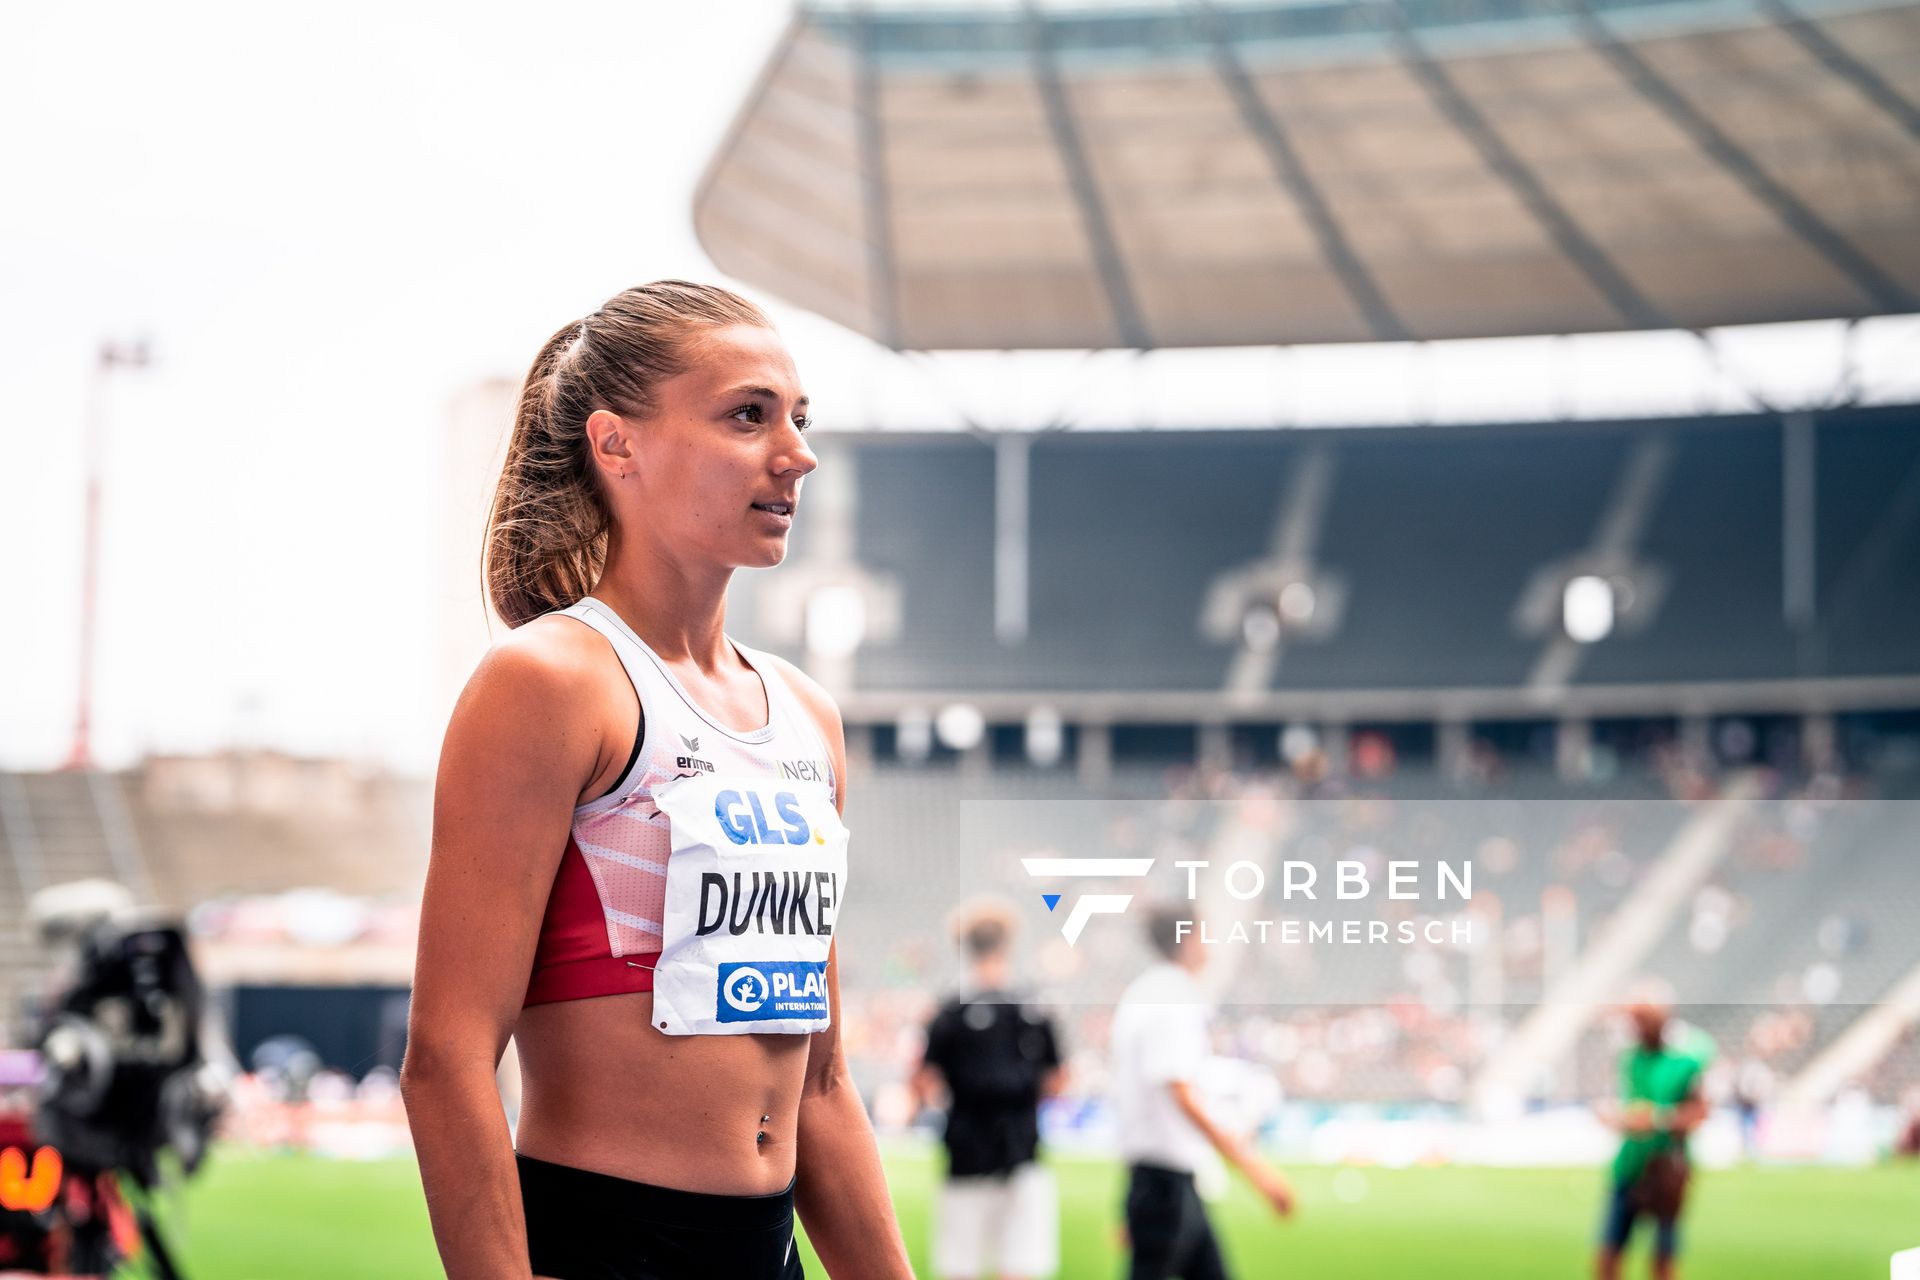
pixel 997 1056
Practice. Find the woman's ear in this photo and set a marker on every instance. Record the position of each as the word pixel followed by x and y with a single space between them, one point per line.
pixel 608 437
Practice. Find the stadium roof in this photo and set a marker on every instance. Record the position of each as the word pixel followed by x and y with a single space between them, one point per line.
pixel 1228 174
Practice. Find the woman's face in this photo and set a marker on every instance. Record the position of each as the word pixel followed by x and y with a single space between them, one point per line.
pixel 715 470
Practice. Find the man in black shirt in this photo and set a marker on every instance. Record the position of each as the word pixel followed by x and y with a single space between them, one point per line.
pixel 997 1056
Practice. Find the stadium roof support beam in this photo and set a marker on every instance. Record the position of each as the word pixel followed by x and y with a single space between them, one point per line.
pixel 1852 582
pixel 1012 505
pixel 1865 1042
pixel 1628 938
pixel 1796 216
pixel 1107 261
pixel 1799 522
pixel 1288 170
pixel 1299 516
pixel 1642 481
pixel 877 208
pixel 1240 838
pixel 1580 248
pixel 1829 53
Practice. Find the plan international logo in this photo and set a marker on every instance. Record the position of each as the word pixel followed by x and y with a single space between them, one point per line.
pixel 1088 905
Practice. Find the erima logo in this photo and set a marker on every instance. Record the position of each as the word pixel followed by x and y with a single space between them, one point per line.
pixel 1092 904
pixel 689 763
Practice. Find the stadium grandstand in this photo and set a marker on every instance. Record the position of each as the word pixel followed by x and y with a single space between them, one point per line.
pixel 1137 708
pixel 294 875
pixel 1656 673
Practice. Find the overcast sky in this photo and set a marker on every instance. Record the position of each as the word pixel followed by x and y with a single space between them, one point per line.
pixel 328 221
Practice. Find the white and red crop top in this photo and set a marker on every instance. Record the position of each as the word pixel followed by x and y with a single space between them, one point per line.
pixel 601 933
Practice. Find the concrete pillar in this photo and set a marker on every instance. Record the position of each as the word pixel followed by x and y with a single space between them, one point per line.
pixel 1094 763
pixel 1819 742
pixel 1454 745
pixel 1216 747
pixel 1335 740
pixel 1573 740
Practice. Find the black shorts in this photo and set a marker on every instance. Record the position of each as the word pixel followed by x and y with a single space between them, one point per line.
pixel 1168 1228
pixel 1623 1210
pixel 593 1226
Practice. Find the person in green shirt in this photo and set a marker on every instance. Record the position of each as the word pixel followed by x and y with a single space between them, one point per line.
pixel 1661 1104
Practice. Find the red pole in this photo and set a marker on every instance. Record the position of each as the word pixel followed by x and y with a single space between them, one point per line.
pixel 80 753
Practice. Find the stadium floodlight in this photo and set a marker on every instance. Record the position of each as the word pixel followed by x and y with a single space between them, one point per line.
pixel 1260 628
pixel 1587 608
pixel 1820 984
pixel 1046 737
pixel 913 734
pixel 1298 742
pixel 1296 603
pixel 836 621
pixel 960 726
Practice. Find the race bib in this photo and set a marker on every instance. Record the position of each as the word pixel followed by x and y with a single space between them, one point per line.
pixel 755 884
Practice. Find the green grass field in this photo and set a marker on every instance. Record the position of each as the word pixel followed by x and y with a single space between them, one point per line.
pixel 258 1217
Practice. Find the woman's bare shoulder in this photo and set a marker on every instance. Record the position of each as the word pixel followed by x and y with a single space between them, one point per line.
pixel 538 698
pixel 551 656
pixel 531 727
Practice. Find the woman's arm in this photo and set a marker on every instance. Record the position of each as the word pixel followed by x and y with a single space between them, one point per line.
pixel 522 743
pixel 840 1188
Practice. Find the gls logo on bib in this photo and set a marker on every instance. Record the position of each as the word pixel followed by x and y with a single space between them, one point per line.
pixel 771 989
pixel 743 819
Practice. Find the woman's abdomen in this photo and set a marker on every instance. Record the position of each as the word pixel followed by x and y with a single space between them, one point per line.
pixel 601 1089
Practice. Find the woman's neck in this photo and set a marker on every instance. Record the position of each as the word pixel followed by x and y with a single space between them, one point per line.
pixel 678 609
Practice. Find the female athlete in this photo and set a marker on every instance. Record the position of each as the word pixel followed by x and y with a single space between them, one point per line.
pixel 638 858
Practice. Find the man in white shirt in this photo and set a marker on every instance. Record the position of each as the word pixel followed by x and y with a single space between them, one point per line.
pixel 1159 1043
